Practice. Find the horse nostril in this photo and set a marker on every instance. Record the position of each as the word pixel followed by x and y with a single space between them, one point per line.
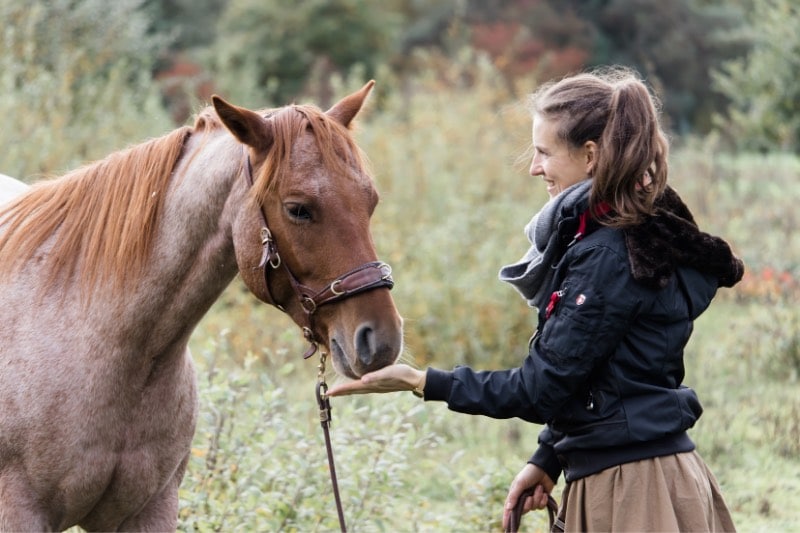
pixel 365 344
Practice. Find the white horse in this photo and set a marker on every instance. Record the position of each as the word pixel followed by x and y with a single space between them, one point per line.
pixel 105 272
pixel 10 188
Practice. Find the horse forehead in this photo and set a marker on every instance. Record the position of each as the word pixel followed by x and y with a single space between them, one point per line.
pixel 309 167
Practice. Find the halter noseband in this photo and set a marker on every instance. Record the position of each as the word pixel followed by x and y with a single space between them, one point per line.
pixel 372 275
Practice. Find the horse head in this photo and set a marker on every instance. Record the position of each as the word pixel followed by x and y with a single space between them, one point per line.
pixel 302 239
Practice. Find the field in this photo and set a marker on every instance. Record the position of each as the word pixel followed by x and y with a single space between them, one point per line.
pixel 451 168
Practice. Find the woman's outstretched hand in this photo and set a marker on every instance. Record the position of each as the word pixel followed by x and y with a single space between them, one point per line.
pixel 391 378
pixel 530 476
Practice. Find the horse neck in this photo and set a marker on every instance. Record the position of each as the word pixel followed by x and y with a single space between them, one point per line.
pixel 193 257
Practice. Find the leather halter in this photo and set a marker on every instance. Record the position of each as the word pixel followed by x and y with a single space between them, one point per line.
pixel 369 276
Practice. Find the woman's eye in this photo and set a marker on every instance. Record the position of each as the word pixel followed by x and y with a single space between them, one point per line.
pixel 298 212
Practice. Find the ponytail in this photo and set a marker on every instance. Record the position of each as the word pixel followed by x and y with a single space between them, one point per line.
pixel 631 167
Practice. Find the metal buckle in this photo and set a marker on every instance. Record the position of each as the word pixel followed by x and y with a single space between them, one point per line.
pixel 333 288
pixel 266 235
pixel 268 242
pixel 386 270
pixel 308 304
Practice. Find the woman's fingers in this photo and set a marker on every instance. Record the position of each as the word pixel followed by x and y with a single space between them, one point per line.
pixel 532 499
pixel 392 378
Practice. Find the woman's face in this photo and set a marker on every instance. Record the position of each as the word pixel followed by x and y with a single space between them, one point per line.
pixel 555 161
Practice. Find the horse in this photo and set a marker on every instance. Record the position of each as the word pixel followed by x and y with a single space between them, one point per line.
pixel 105 272
pixel 10 188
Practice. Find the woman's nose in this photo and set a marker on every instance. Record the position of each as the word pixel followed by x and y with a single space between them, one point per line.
pixel 536 168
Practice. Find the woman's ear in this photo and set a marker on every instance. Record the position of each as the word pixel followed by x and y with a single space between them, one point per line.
pixel 590 156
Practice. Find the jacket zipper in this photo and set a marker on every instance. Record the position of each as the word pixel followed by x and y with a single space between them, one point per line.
pixel 551 305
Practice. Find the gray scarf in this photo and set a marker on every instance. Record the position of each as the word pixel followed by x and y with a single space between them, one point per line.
pixel 533 273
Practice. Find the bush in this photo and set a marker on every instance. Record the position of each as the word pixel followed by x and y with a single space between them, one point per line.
pixel 75 78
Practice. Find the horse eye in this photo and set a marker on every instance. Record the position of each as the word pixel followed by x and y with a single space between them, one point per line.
pixel 298 212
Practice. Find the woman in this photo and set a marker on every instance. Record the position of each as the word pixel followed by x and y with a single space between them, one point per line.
pixel 618 271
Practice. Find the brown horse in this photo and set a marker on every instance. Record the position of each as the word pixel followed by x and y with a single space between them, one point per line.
pixel 105 272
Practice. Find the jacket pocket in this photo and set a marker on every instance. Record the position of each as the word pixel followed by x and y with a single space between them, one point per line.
pixel 574 324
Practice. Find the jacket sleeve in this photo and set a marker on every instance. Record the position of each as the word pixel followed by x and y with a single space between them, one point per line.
pixel 593 312
pixel 545 456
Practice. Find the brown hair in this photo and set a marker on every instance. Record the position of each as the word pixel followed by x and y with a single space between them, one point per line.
pixel 614 109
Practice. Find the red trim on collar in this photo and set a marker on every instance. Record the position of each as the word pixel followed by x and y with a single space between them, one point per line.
pixel 602 209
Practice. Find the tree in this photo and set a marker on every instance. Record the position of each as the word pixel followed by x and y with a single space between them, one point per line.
pixel 674 44
pixel 762 87
pixel 190 23
pixel 271 50
pixel 75 78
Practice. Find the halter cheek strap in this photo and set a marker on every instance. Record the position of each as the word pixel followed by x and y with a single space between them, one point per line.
pixel 369 276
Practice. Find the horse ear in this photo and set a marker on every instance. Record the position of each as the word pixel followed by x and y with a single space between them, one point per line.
pixel 247 126
pixel 349 106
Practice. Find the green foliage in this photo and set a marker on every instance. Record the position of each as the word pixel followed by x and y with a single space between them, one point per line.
pixel 75 75
pixel 190 23
pixel 259 462
pixel 270 50
pixel 674 44
pixel 765 99
pixel 273 52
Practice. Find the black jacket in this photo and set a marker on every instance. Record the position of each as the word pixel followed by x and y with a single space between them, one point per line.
pixel 605 367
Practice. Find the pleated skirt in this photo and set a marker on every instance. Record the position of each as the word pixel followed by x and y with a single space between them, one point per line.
pixel 671 493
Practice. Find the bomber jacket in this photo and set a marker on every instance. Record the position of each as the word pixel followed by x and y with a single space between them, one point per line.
pixel 604 369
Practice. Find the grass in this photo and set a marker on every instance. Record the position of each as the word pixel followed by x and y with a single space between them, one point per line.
pixel 750 431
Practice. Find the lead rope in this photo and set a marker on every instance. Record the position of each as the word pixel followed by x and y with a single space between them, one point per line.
pixel 515 520
pixel 325 419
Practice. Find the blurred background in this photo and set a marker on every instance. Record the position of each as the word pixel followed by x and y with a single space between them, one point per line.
pixel 447 135
pixel 726 67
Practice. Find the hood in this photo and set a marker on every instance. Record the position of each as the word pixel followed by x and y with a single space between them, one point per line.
pixel 670 238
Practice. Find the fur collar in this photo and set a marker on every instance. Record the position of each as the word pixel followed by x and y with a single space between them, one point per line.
pixel 670 238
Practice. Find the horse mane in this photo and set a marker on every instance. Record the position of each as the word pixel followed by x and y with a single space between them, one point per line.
pixel 104 213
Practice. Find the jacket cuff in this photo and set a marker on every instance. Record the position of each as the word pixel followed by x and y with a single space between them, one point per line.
pixel 438 384
pixel 546 459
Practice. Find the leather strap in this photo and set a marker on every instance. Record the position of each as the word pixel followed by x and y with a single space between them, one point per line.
pixel 515 520
pixel 367 276
pixel 325 420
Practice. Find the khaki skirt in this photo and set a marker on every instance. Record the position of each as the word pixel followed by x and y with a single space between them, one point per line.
pixel 671 493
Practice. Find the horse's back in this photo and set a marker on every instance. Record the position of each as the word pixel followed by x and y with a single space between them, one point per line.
pixel 10 188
